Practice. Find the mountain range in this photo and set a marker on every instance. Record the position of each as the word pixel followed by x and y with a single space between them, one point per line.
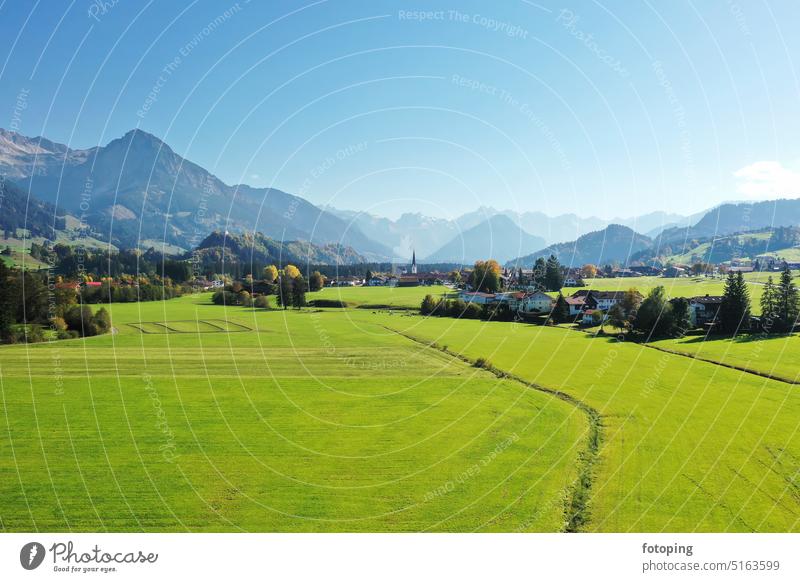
pixel 499 237
pixel 137 190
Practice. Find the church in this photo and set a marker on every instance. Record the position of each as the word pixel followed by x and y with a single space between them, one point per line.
pixel 415 279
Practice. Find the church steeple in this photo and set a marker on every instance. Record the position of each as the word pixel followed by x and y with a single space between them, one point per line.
pixel 413 262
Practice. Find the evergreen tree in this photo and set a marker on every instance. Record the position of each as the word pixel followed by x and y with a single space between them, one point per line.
pixel 6 302
pixel 681 321
pixel 560 313
pixel 787 306
pixel 734 312
pixel 539 268
pixel 769 305
pixel 553 277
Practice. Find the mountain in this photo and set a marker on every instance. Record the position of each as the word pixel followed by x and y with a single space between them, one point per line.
pixel 137 191
pixel 252 252
pixel 737 217
pixel 412 231
pixel 781 241
pixel 496 238
pixel 614 243
pixel 19 210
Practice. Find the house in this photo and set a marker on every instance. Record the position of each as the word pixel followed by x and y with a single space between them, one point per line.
pixel 704 309
pixel 377 281
pixel 576 305
pixel 767 263
pixel 573 281
pixel 417 279
pixel 646 270
pixel 625 273
pixel 92 284
pixel 217 284
pixel 476 297
pixel 603 300
pixel 536 302
pixel 673 272
pixel 350 281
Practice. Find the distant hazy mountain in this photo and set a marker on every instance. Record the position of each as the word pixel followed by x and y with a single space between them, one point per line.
pixel 136 188
pixel 567 227
pixel 615 243
pixel 252 252
pixel 496 238
pixel 410 232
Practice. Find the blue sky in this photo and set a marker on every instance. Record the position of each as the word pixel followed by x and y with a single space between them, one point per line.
pixel 598 108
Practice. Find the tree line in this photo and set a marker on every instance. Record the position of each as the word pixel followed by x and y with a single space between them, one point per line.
pixel 31 307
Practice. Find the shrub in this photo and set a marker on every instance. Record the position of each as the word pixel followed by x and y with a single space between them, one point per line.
pixel 102 320
pixel 483 363
pixel 262 302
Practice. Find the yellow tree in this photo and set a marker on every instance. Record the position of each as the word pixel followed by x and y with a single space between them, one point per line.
pixel 291 271
pixel 270 273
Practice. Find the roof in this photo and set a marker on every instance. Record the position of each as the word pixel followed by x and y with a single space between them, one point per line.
pixel 609 294
pixel 575 300
pixel 706 299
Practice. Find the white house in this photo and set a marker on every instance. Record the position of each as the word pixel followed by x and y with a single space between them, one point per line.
pixel 537 302
pixel 476 297
pixel 576 304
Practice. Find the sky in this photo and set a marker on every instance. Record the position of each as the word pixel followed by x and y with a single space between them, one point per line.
pixel 611 109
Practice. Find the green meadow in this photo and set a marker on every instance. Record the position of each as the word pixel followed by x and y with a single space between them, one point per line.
pixel 195 417
pixel 307 421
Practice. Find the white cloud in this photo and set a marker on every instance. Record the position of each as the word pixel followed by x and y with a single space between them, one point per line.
pixel 255 176
pixel 768 180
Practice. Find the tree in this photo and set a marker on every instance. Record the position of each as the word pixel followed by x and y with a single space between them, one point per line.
pixel 285 291
pixel 589 271
pixel 787 302
pixel 769 305
pixel 316 281
pixel 734 311
pixel 553 277
pixel 630 302
pixel 455 277
pixel 299 292
pixel 102 320
pixel 6 302
pixel 367 277
pixel 428 305
pixel 486 276
pixel 80 319
pixel 654 317
pixel 270 273
pixel 291 271
pixel 539 268
pixel 616 317
pixel 560 313
pixel 681 321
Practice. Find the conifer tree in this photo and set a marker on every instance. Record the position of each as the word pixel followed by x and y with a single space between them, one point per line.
pixel 734 312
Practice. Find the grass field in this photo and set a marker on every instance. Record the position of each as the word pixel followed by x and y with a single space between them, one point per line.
pixel 777 355
pixel 313 421
pixel 206 418
pixel 686 445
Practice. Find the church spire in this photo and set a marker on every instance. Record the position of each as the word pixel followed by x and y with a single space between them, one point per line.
pixel 413 262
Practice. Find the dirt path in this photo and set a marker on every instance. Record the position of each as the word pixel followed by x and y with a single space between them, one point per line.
pixel 576 512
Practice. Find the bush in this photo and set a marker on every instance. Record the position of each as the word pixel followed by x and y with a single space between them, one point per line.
pixel 483 363
pixel 102 320
pixel 262 302
pixel 473 311
pixel 328 303
pixel 58 324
